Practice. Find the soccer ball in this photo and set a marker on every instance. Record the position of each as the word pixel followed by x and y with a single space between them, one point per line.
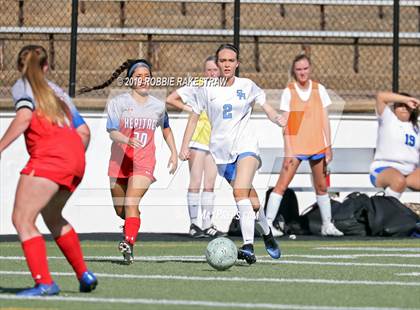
pixel 221 253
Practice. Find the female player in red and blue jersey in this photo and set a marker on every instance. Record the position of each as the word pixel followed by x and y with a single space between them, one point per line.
pixel 132 120
pixel 56 137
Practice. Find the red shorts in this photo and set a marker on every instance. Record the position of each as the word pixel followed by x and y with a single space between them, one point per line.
pixel 68 180
pixel 126 169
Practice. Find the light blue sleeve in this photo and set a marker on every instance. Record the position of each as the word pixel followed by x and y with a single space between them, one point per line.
pixel 113 115
pixel 77 119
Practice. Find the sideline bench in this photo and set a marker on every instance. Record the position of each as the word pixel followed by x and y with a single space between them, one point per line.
pixel 345 161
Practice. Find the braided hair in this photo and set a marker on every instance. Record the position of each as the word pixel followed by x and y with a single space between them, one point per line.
pixel 128 65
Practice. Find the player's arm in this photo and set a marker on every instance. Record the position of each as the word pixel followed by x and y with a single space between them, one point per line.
pixel 277 118
pixel 170 141
pixel 119 137
pixel 184 153
pixel 24 106
pixel 260 98
pixel 327 132
pixel 287 146
pixel 82 128
pixel 175 100
pixel 18 126
pixel 84 133
pixel 385 98
pixel 326 128
pixel 113 125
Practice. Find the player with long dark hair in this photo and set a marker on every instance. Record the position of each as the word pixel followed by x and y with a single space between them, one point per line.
pixel 132 120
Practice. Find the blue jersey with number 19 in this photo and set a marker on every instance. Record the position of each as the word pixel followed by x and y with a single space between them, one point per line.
pixel 229 111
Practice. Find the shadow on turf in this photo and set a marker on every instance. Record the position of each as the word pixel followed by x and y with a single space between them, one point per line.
pixel 10 290
pixel 139 261
pixel 112 261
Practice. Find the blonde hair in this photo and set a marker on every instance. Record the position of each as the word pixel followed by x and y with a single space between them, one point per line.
pixel 31 61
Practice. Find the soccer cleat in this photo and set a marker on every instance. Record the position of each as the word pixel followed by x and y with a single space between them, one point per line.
pixel 213 232
pixel 271 245
pixel 126 250
pixel 41 290
pixel 196 232
pixel 246 252
pixel 88 282
pixel 276 232
pixel 330 230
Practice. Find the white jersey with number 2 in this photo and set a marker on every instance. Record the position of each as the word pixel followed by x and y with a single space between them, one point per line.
pixel 229 111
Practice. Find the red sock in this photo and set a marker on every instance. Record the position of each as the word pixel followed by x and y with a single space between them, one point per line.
pixel 36 257
pixel 70 246
pixel 131 228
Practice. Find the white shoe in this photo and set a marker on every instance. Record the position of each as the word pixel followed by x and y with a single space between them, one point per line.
pixel 330 230
pixel 276 232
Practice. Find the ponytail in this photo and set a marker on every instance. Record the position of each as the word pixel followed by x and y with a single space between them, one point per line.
pixel 32 60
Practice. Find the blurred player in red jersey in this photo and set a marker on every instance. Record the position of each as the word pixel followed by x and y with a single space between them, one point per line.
pixel 56 137
pixel 132 120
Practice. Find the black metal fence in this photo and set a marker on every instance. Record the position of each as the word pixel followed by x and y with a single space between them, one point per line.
pixel 351 42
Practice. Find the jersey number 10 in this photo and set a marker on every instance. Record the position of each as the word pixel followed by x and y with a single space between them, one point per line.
pixel 142 137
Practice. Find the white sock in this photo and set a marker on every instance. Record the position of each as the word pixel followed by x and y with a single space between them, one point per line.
pixel 247 220
pixel 392 193
pixel 207 206
pixel 262 221
pixel 273 206
pixel 324 204
pixel 193 200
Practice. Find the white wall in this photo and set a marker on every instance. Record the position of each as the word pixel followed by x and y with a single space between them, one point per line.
pixel 163 207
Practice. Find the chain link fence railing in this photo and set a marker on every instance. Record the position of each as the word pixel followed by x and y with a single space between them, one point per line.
pixel 350 42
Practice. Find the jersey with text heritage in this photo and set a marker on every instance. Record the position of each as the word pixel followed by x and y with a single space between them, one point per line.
pixel 138 121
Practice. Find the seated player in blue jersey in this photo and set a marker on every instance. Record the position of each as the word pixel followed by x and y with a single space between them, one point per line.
pixel 396 162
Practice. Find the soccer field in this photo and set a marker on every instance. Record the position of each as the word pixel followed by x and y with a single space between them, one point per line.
pixel 312 274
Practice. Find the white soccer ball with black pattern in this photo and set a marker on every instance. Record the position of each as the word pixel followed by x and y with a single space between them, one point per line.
pixel 221 253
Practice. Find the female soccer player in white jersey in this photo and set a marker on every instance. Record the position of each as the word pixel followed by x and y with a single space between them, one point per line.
pixel 133 118
pixel 396 163
pixel 233 143
pixel 307 137
pixel 201 163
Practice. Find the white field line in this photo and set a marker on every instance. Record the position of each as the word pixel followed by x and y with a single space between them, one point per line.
pixel 409 274
pixel 230 279
pixel 261 260
pixel 353 256
pixel 374 249
pixel 202 303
